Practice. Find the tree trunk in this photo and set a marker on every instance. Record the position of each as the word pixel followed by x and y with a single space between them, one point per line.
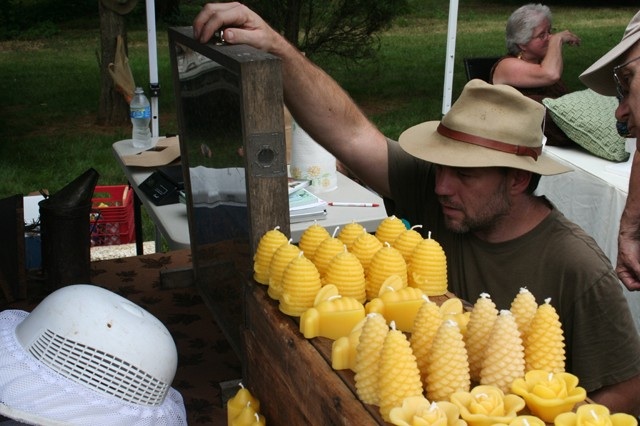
pixel 112 107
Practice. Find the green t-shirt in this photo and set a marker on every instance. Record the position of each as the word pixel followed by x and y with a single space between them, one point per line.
pixel 556 260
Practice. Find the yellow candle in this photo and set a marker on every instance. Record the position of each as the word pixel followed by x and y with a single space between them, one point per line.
pixel 487 406
pixel 300 285
pixel 267 246
pixel 332 318
pixel 523 308
pixel 239 401
pixel 548 394
pixel 400 306
pixel 389 229
pixel 364 247
pixel 248 417
pixel 279 261
pixel 544 344
pixel 311 239
pixel 418 411
pixel 425 327
pixel 481 322
pixel 346 272
pixel 385 262
pixel 343 349
pixel 428 268
pixel 350 232
pixel 407 241
pixel 366 370
pixel 399 377
pixel 594 415
pixel 327 249
pixel 448 365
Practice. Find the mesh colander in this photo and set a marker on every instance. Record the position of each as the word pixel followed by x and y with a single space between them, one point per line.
pixel 100 340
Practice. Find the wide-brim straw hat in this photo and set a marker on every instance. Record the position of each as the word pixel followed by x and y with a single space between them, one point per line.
pixel 599 76
pixel 488 126
pixel 121 7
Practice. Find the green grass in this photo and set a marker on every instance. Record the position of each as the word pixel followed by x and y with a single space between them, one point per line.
pixel 50 87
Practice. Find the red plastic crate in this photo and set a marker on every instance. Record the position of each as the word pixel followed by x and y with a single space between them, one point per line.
pixel 112 220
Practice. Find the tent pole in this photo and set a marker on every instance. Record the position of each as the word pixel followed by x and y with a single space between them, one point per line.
pixel 154 85
pixel 450 56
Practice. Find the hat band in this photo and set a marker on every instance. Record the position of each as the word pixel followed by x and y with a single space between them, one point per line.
pixel 489 143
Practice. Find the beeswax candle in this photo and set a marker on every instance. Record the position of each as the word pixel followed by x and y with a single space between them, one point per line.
pixel 548 394
pixel 504 354
pixel 350 232
pixel 594 415
pixel 399 376
pixel 300 285
pixel 425 327
pixel 343 349
pixel 481 322
pixel 332 318
pixel 279 261
pixel 346 272
pixel 239 401
pixel 368 351
pixel 389 229
pixel 385 262
pixel 487 406
pixel 268 244
pixel 523 308
pixel 400 306
pixel 248 417
pixel 448 365
pixel 327 249
pixel 428 268
pixel 407 241
pixel 311 239
pixel 418 411
pixel 544 345
pixel 364 247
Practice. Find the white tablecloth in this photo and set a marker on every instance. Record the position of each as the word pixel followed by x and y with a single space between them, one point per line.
pixel 593 196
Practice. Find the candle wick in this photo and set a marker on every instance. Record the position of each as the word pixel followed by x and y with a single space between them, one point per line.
pixel 416 226
pixel 257 416
pixel 429 235
pixel 335 231
pixel 277 227
pixel 593 414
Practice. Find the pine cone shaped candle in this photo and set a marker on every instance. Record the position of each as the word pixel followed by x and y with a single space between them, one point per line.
pixel 279 261
pixel 300 285
pixel 350 232
pixel 399 377
pixel 504 354
pixel 385 262
pixel 428 268
pixel 448 365
pixel 544 344
pixel 346 272
pixel 425 327
pixel 389 229
pixel 327 249
pixel 364 247
pixel 268 245
pixel 481 322
pixel 523 308
pixel 311 239
pixel 407 241
pixel 368 352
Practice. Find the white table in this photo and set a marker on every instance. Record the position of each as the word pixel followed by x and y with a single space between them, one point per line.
pixel 171 220
pixel 593 196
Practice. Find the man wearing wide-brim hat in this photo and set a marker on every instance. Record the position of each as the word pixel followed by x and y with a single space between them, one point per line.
pixel 469 180
pixel 616 74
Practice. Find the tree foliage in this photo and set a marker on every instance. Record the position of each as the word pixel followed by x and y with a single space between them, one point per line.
pixel 344 28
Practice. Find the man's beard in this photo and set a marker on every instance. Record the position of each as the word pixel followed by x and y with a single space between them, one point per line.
pixel 486 219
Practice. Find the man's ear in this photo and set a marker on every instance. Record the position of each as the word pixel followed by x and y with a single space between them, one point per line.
pixel 519 180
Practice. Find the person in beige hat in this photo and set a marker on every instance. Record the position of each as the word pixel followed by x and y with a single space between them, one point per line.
pixel 616 74
pixel 469 180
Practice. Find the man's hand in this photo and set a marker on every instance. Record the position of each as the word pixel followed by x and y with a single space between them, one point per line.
pixel 628 267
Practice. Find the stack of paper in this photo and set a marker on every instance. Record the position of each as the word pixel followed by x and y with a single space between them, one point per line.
pixel 304 206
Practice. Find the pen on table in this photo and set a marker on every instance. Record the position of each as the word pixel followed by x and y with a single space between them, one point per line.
pixel 337 204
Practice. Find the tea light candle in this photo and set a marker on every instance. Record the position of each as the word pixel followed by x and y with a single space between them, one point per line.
pixel 448 365
pixel 481 322
pixel 346 272
pixel 389 229
pixel 239 401
pixel 523 308
pixel 487 406
pixel 332 318
pixel 364 247
pixel 425 326
pixel 343 349
pixel 548 394
pixel 279 261
pixel 367 364
pixel 385 262
pixel 594 415
pixel 300 285
pixel 544 344
pixel 428 268
pixel 504 354
pixel 400 306
pixel 399 377
pixel 267 246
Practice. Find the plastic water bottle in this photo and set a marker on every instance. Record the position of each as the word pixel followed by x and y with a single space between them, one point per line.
pixel 140 112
